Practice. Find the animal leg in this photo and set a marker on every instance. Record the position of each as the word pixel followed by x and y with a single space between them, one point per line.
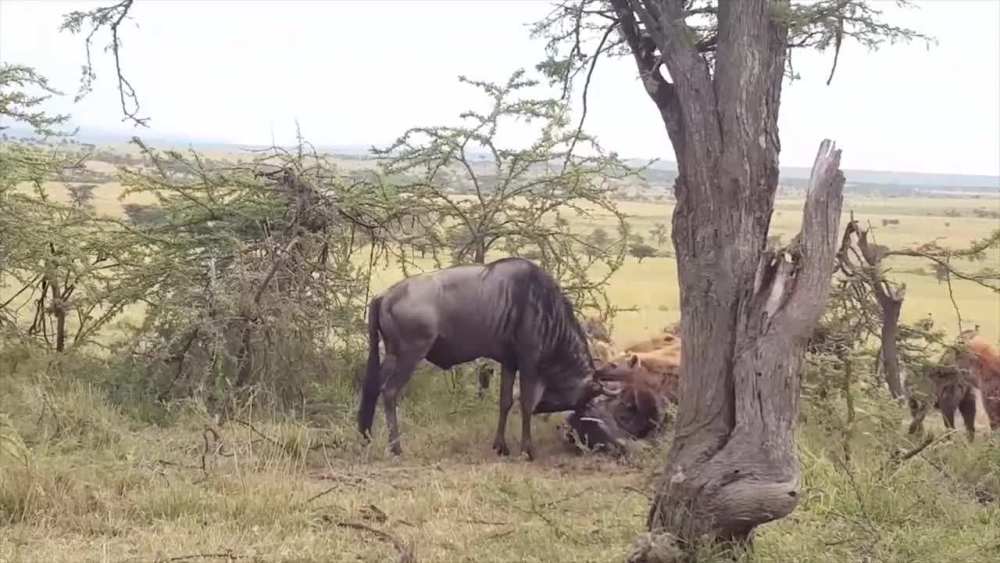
pixel 531 393
pixel 506 401
pixel 393 384
pixel 948 403
pixel 967 406
pixel 918 410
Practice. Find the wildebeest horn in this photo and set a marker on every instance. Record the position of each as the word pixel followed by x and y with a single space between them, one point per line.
pixel 607 390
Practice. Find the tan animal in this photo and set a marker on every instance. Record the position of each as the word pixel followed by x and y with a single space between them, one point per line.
pixel 982 359
pixel 953 388
pixel 969 368
pixel 649 380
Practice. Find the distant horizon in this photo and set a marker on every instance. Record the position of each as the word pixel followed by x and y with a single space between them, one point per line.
pixel 101 134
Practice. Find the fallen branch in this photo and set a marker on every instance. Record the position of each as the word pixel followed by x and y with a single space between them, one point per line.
pixel 405 551
pixel 228 555
pixel 897 458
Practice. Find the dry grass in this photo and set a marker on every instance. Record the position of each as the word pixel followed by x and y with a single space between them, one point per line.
pixel 84 481
pixel 93 485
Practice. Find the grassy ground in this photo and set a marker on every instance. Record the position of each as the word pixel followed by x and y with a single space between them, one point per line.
pixel 84 480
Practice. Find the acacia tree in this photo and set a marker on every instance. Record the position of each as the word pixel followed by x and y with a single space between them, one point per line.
pixel 714 72
pixel 250 277
pixel 517 199
pixel 58 263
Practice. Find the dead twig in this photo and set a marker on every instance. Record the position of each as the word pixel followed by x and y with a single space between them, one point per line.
pixel 228 555
pixel 211 432
pixel 897 458
pixel 265 437
pixel 405 551
pixel 485 522
pixel 168 463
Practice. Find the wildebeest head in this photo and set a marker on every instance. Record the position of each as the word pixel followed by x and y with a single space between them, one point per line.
pixel 578 397
pixel 594 426
pixel 633 404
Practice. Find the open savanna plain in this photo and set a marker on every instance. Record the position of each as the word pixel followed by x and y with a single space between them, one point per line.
pixel 85 478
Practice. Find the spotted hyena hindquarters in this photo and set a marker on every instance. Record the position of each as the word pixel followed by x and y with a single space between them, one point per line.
pixel 954 389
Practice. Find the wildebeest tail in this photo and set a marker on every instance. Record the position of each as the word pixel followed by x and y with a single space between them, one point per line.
pixel 373 380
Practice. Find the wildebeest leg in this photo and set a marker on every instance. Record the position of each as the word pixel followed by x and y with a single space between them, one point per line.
pixel 506 401
pixel 948 404
pixel 967 406
pixel 531 393
pixel 393 384
pixel 948 399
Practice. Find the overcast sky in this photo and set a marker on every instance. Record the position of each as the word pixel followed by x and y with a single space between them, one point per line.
pixel 361 72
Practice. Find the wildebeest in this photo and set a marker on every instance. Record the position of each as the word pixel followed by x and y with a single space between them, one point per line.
pixel 510 311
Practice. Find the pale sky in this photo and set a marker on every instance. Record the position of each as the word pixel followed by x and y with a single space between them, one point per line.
pixel 361 72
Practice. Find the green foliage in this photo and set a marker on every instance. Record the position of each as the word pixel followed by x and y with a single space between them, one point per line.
pixel 18 104
pixel 249 274
pixel 56 260
pixel 641 251
pixel 516 199
pixel 580 32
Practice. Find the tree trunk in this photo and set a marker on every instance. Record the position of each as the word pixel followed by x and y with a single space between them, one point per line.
pixel 483 367
pixel 890 352
pixel 479 256
pixel 732 465
pixel 59 312
pixel 746 313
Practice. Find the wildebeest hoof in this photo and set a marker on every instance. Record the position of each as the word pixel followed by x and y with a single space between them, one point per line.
pixel 501 448
pixel 396 450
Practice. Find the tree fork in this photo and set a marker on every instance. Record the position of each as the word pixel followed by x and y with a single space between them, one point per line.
pixel 732 465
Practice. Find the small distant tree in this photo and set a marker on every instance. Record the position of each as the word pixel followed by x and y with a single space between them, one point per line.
pixel 81 195
pixel 141 215
pixel 598 241
pixel 642 251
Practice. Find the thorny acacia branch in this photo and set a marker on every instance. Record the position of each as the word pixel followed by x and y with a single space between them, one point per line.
pixel 111 18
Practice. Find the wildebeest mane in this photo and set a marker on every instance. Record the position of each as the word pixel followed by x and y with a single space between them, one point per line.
pixel 534 289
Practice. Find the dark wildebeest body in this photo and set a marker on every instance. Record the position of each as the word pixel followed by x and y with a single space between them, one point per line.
pixel 510 311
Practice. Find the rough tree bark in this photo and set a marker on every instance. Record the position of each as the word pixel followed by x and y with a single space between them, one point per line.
pixel 746 312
